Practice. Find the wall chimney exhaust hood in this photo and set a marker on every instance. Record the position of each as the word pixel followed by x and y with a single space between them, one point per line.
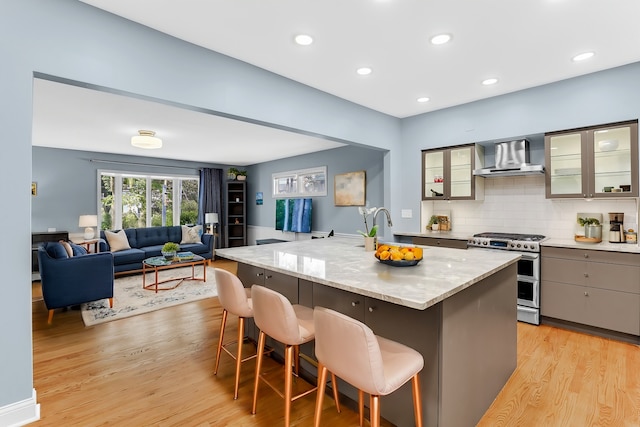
pixel 512 159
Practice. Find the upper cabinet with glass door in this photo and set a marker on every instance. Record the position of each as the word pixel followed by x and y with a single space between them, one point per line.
pixel 600 161
pixel 448 173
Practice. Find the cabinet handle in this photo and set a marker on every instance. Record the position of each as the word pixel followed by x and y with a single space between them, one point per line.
pixel 586 255
pixel 259 274
pixel 586 294
pixel 269 276
pixel 586 274
pixel 354 303
pixel 371 309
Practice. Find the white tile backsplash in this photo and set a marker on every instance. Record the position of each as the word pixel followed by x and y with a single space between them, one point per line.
pixel 518 205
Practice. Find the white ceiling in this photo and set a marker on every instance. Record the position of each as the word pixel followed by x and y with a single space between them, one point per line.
pixel 522 43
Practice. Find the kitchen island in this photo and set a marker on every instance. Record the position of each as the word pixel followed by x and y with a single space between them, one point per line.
pixel 456 307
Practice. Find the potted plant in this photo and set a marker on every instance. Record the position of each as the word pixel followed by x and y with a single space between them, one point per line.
pixel 434 223
pixel 169 250
pixel 232 173
pixel 241 175
pixel 592 228
pixel 370 234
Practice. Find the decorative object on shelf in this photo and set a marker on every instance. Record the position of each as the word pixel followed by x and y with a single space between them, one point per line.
pixel 591 224
pixel 370 234
pixel 146 139
pixel 34 188
pixel 349 189
pixel 88 222
pixel 608 145
pixel 169 250
pixel 235 173
pixel 399 256
pixel 433 223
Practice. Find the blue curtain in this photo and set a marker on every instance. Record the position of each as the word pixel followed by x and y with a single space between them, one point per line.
pixel 210 200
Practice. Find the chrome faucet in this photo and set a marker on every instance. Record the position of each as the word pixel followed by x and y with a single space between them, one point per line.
pixel 377 211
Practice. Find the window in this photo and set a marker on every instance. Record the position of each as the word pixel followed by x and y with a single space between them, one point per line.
pixel 299 183
pixel 129 200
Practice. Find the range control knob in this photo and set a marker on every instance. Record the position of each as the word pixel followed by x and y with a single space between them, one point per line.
pixel 484 243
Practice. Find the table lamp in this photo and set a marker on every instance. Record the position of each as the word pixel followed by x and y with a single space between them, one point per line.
pixel 88 221
pixel 212 219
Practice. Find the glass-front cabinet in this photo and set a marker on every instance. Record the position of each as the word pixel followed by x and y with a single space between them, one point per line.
pixel 447 174
pixel 595 162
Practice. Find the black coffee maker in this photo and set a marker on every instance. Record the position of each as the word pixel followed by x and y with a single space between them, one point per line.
pixel 616 227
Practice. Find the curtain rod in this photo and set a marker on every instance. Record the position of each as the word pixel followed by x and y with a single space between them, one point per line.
pixel 140 164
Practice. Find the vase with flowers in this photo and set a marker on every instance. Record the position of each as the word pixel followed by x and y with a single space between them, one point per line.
pixel 370 233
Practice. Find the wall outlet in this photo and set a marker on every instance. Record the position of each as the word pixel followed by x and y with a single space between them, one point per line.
pixel 407 213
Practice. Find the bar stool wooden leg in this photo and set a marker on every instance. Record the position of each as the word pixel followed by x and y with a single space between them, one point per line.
pixel 260 354
pixel 322 379
pixel 288 382
pixel 239 356
pixel 296 359
pixel 417 399
pixel 361 407
pixel 374 410
pixel 219 350
pixel 334 384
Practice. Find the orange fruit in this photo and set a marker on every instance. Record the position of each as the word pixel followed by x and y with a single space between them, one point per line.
pixel 417 252
pixel 409 256
pixel 384 255
pixel 396 255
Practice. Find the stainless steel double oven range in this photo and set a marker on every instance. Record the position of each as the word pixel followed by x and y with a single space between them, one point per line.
pixel 528 246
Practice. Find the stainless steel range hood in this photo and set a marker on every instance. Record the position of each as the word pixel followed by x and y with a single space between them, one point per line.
pixel 512 159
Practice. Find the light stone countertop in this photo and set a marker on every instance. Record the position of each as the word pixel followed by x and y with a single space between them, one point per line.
pixel 343 263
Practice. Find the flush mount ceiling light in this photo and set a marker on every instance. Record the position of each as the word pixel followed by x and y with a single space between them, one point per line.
pixel 364 71
pixel 423 99
pixel 440 39
pixel 303 39
pixel 582 56
pixel 489 82
pixel 146 139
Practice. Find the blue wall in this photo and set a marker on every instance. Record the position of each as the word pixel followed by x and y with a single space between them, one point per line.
pixel 326 216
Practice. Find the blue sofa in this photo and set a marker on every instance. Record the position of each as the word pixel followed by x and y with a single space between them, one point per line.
pixel 72 280
pixel 147 242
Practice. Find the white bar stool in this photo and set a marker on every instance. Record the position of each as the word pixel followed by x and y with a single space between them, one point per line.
pixel 235 299
pixel 290 324
pixel 375 365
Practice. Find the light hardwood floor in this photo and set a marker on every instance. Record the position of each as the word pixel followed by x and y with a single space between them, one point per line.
pixel 156 370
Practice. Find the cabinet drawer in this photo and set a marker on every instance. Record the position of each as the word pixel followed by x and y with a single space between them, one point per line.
pixel 616 311
pixel 592 255
pixel 617 277
pixel 445 243
pixel 339 300
pixel 250 275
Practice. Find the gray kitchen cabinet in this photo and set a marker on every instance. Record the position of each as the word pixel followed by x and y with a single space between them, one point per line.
pixel 282 283
pixel 595 162
pixel 437 241
pixel 590 287
pixel 447 173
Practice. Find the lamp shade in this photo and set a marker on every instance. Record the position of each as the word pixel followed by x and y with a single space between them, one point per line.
pixel 211 218
pixel 146 139
pixel 88 221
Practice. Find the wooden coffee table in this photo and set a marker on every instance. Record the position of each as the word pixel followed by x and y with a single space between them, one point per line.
pixel 159 263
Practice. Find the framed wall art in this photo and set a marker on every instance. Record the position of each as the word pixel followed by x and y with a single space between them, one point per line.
pixel 349 189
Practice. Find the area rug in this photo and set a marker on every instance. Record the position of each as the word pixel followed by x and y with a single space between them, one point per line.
pixel 130 299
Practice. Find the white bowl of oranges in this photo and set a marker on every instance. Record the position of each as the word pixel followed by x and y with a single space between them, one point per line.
pixel 399 256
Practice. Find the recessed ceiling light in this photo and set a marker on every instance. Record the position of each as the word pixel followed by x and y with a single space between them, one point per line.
pixel 303 39
pixel 423 99
pixel 582 56
pixel 440 39
pixel 363 71
pixel 489 82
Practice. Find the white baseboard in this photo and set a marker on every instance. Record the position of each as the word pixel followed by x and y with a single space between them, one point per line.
pixel 20 413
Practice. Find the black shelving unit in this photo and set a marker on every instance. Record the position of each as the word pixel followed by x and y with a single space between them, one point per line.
pixel 236 223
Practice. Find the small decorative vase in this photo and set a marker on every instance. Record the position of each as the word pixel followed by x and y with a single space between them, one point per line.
pixel 435 227
pixel 231 176
pixel 369 244
pixel 169 256
pixel 241 177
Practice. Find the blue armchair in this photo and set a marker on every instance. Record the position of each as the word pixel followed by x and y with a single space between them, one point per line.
pixel 68 281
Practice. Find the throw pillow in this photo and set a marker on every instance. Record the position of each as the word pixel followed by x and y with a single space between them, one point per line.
pixel 67 247
pixel 56 250
pixel 117 241
pixel 191 234
pixel 78 250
